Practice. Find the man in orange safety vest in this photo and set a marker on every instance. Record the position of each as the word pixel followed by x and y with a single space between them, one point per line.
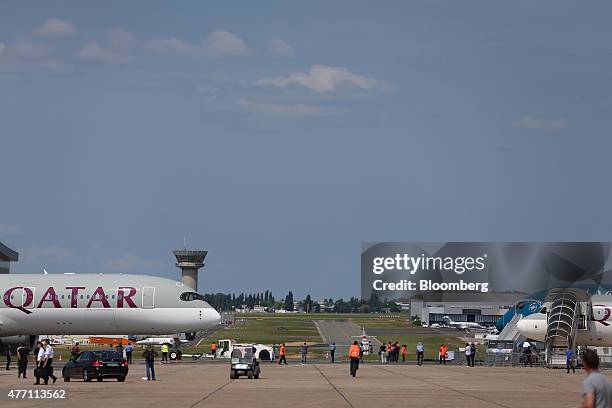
pixel 354 353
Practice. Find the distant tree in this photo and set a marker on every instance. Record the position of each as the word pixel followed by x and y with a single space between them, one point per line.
pixel 308 304
pixel 289 302
pixel 374 302
pixel 365 308
pixel 340 306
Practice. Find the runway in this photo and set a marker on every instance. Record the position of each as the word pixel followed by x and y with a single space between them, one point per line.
pixel 342 333
pixel 190 385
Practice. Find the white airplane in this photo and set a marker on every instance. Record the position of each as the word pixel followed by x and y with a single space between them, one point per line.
pixel 158 341
pixel 462 325
pixel 365 341
pixel 598 332
pixel 102 304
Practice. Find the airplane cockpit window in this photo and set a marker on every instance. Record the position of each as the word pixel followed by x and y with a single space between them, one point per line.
pixel 191 296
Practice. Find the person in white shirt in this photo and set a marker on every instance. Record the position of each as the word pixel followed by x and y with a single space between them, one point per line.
pixel 420 349
pixel 48 362
pixel 40 370
pixel 468 354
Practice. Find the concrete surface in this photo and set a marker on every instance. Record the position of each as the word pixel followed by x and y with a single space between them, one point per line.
pixel 342 333
pixel 199 384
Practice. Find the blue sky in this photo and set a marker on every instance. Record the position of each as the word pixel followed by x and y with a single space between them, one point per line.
pixel 280 135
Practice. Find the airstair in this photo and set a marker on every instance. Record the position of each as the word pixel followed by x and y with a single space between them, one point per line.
pixel 567 314
pixel 510 331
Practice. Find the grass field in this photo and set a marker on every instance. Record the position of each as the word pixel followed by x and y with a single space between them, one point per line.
pixel 293 329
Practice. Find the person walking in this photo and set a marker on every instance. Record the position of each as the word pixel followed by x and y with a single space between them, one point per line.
pixel 164 351
pixel 332 351
pixel 468 354
pixel 304 352
pixel 213 349
pixel 569 360
pixel 7 354
pixel 275 351
pixel 389 352
pixel 40 372
pixel 283 354
pixel 473 355
pixel 420 350
pixel 383 355
pixel 149 356
pixel 443 353
pixel 404 351
pixel 596 390
pixel 22 360
pixel 48 362
pixel 527 353
pixel 354 354
pixel 129 349
pixel 74 352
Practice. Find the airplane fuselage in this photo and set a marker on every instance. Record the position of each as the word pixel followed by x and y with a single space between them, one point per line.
pixel 598 332
pixel 100 304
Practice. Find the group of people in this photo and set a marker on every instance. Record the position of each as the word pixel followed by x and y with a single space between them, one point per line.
pixel 44 361
pixel 390 353
pixel 470 354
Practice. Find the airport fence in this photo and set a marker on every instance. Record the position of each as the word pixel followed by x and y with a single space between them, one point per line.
pixel 515 359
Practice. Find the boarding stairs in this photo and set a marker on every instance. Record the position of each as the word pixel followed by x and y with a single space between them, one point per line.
pixel 567 314
pixel 510 331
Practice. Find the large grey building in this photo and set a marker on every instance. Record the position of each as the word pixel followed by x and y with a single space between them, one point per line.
pixel 7 255
pixel 485 311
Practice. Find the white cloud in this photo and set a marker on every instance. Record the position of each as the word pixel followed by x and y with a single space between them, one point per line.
pixel 26 49
pixel 130 263
pixel 118 51
pixel 120 38
pixel 56 28
pixel 208 93
pixel 529 122
pixel 48 253
pixel 217 44
pixel 269 108
pixel 280 48
pixel 172 46
pixel 322 78
pixel 22 55
pixel 6 229
pixel 96 52
pixel 221 43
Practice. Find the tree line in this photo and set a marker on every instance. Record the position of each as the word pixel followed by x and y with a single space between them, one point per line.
pixel 228 302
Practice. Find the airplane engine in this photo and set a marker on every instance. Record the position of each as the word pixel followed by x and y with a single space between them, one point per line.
pixel 17 340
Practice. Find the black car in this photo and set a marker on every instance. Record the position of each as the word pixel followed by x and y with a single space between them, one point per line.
pixel 98 364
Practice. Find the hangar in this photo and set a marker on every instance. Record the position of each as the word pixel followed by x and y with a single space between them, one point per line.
pixel 7 255
pixel 485 311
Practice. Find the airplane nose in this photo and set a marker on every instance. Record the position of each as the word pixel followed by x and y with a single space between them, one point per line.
pixel 216 317
pixel 523 326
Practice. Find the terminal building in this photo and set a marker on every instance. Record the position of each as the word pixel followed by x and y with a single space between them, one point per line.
pixel 484 311
pixel 7 255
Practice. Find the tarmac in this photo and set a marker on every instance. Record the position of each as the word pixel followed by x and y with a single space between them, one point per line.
pixel 342 333
pixel 205 384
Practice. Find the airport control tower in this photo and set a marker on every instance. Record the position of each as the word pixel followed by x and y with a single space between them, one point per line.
pixel 190 262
